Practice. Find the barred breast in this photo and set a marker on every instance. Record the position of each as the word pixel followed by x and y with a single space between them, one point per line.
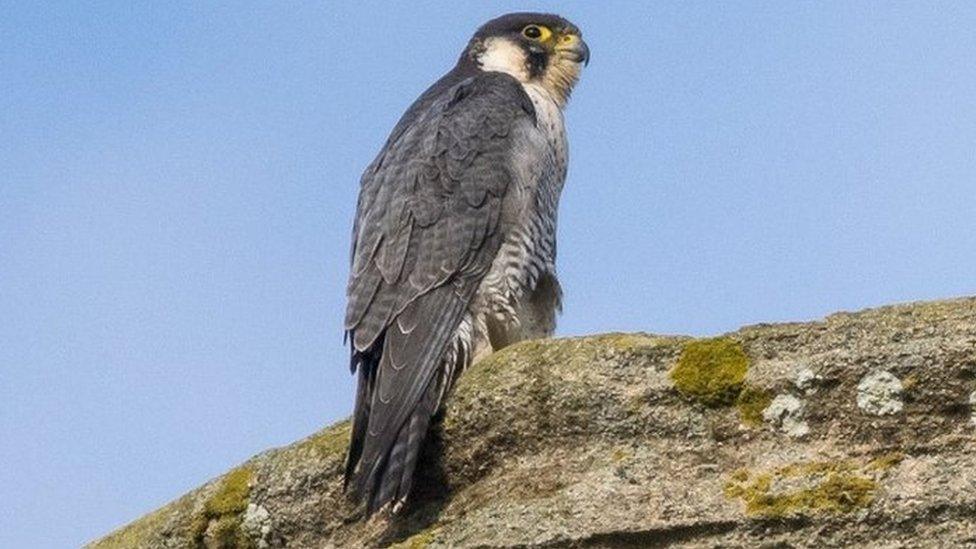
pixel 520 296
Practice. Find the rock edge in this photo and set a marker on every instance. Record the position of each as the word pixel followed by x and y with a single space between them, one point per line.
pixel 856 429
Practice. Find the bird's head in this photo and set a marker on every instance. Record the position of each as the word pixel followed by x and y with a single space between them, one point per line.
pixel 537 48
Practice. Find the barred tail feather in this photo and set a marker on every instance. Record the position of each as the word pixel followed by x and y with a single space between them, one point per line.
pixel 367 365
pixel 402 378
pixel 397 479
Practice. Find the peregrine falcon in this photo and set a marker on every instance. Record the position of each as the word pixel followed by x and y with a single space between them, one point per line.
pixel 454 240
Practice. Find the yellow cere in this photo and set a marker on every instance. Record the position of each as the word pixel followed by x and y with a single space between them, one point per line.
pixel 567 41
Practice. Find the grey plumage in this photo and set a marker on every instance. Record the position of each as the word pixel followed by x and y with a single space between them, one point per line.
pixel 453 248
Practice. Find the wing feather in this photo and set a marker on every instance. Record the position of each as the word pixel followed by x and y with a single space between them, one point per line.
pixel 426 231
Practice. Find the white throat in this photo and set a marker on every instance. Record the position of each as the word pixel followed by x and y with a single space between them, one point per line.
pixel 503 55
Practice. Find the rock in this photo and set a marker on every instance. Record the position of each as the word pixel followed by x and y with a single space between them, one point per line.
pixel 786 412
pixel 879 393
pixel 806 380
pixel 632 440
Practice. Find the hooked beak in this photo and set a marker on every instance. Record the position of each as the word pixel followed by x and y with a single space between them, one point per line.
pixel 575 48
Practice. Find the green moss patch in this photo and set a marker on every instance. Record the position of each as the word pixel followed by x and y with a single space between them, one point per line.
pixel 333 440
pixel 218 526
pixel 886 461
pixel 803 489
pixel 146 531
pixel 417 541
pixel 751 403
pixel 711 370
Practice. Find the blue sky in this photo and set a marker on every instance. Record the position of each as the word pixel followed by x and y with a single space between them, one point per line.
pixel 177 182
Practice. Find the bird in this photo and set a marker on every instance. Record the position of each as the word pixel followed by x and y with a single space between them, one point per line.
pixel 454 239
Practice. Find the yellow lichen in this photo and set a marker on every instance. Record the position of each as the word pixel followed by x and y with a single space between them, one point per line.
pixel 233 493
pixel 803 489
pixel 886 461
pixel 909 382
pixel 142 533
pixel 419 540
pixel 218 524
pixel 625 342
pixel 751 403
pixel 711 370
pixel 332 440
pixel 620 454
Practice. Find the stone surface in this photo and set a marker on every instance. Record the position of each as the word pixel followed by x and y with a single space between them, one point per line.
pixel 880 393
pixel 588 442
pixel 786 412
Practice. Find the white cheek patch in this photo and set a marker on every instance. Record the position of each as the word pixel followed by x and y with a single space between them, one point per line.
pixel 503 55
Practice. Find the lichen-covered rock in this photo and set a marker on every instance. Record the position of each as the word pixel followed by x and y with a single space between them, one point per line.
pixel 880 393
pixel 638 440
pixel 786 413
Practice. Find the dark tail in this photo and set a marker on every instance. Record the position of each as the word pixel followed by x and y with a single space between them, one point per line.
pixel 394 483
pixel 402 377
pixel 367 364
pixel 390 479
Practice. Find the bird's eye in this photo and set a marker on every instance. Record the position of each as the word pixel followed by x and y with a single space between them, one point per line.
pixel 535 32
